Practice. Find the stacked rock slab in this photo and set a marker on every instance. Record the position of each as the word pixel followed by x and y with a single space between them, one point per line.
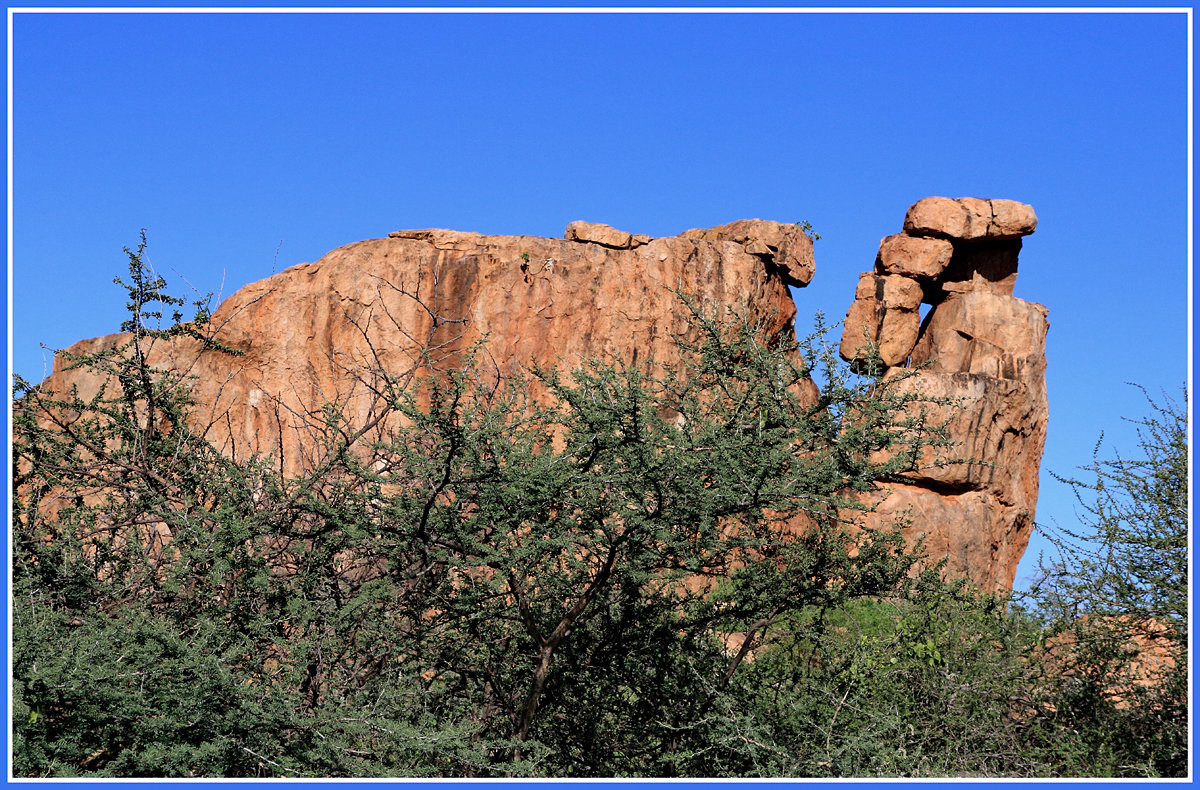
pixel 980 348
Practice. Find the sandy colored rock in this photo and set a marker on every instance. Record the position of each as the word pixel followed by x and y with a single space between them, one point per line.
pixel 898 293
pixel 969 218
pixel 979 217
pixel 1011 219
pixel 985 333
pixel 937 216
pixel 895 333
pixel 988 538
pixel 319 332
pixel 860 329
pixel 912 256
pixel 989 265
pixel 980 365
pixel 890 291
pixel 898 334
pixel 866 286
pixel 784 245
pixel 598 233
pixel 884 312
pixel 996 424
pixel 983 492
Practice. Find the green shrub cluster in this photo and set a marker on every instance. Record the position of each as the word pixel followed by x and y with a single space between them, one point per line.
pixel 584 573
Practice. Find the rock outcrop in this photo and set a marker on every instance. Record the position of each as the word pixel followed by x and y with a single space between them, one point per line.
pixel 420 299
pixel 981 350
pixel 311 335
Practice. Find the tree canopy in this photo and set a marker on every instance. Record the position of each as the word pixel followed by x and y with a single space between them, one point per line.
pixel 613 570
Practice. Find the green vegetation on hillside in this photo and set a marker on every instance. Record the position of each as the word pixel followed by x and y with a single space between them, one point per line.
pixel 592 572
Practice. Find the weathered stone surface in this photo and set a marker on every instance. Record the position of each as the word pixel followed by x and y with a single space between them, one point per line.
pixel 972 529
pixel 860 329
pixel 785 246
pixel 913 256
pixel 969 218
pixel 894 292
pixel 978 266
pixel 979 217
pixel 316 332
pixel 975 503
pixel 996 423
pixel 938 216
pixel 884 312
pixel 599 233
pixel 898 293
pixel 986 333
pixel 1012 219
pixel 898 334
pixel 982 353
pixel 866 286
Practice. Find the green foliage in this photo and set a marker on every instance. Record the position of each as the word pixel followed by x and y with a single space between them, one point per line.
pixel 806 226
pixel 1118 594
pixel 147 301
pixel 924 685
pixel 1129 558
pixel 611 571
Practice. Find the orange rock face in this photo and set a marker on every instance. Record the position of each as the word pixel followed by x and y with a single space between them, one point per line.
pixel 984 350
pixel 312 335
pixel 965 219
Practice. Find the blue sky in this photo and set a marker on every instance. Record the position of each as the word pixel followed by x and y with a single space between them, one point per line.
pixel 245 143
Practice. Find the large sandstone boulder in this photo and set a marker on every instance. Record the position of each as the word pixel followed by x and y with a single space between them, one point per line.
pixel 786 248
pixel 315 333
pixel 966 219
pixel 884 314
pixel 980 357
pixel 915 257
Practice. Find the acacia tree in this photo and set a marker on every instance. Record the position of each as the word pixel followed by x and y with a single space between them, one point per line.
pixel 542 575
pixel 622 508
pixel 1118 590
pixel 1128 558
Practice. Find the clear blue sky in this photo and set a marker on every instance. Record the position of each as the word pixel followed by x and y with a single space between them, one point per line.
pixel 247 143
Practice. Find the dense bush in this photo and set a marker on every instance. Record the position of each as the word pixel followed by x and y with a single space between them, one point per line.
pixel 611 571
pixel 1117 592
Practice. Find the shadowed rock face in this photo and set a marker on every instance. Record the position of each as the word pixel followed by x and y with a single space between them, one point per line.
pixel 979 345
pixel 312 334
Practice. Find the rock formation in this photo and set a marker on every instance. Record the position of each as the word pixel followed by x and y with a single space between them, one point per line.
pixel 312 334
pixel 981 349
